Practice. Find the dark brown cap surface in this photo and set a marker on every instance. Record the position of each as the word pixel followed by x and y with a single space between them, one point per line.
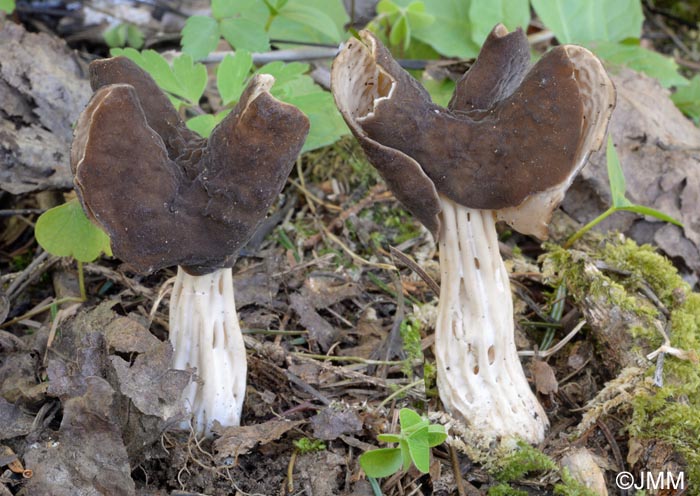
pixel 509 134
pixel 170 198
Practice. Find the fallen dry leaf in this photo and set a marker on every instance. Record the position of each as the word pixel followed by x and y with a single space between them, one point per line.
pixel 335 421
pixel 545 380
pixel 236 441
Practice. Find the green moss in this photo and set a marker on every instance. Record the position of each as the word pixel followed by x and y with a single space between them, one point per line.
pixel 523 461
pixel 527 461
pixel 411 337
pixel 670 413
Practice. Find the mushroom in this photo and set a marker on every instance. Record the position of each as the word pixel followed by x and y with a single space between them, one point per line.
pixel 168 197
pixel 506 148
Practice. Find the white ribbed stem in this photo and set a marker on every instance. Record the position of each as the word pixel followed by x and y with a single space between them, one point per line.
pixel 480 378
pixel 205 335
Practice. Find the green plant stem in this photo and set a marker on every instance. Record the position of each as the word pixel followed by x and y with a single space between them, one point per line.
pixel 589 226
pixel 375 486
pixel 399 391
pixel 81 281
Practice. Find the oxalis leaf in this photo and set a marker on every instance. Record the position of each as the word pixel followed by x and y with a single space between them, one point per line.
pixel 381 462
pixel 65 231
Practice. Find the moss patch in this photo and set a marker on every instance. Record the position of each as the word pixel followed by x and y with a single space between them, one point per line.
pixel 670 413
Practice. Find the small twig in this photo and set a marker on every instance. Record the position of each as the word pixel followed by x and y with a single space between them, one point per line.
pixel 371 197
pixel 354 359
pixel 411 264
pixel 41 309
pixel 556 347
pixel 37 267
pixel 290 471
pixel 401 390
pixel 307 388
pixel 20 211
pixel 613 444
pixel 357 258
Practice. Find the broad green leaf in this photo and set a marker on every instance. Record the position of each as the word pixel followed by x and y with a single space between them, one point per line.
pixel 616 177
pixel 7 6
pixel 311 17
pixel 419 450
pixel 417 17
pixel 253 10
pixel 231 75
pixel 200 36
pixel 284 73
pixel 327 125
pixel 450 34
pixel 687 99
pixel 389 438
pixel 436 435
pixel 65 231
pixel 640 59
pixel 579 21
pixel 205 124
pixel 652 212
pixel 485 14
pixel 333 20
pixel 191 77
pixel 381 462
pixel 408 418
pixel 245 34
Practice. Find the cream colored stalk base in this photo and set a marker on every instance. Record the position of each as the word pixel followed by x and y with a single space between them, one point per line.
pixel 206 336
pixel 480 378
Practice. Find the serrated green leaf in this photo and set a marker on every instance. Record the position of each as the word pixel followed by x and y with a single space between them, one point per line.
pixel 200 36
pixel 640 59
pixel 436 435
pixel 7 6
pixel 389 438
pixel 381 462
pixel 485 14
pixel 242 33
pixel 224 8
pixel 408 419
pixel 616 177
pixel 419 450
pixel 450 34
pixel 652 212
pixel 205 124
pixel 153 63
pixel 191 78
pixel 687 98
pixel 65 231
pixel 579 21
pixel 314 18
pixel 231 75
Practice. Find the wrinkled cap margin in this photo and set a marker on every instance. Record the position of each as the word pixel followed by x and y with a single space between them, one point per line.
pixel 511 140
pixel 165 196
